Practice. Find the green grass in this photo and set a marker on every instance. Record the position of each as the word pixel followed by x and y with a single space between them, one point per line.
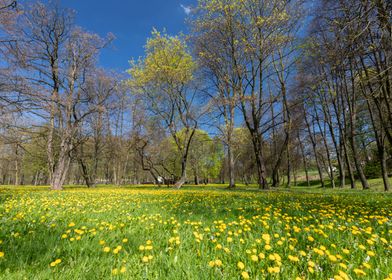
pixel 38 226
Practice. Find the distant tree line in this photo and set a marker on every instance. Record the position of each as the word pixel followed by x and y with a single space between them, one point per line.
pixel 268 92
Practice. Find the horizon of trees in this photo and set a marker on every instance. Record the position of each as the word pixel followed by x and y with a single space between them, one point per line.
pixel 267 92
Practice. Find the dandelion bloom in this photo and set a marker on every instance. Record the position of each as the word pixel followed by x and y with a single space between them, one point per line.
pixel 245 275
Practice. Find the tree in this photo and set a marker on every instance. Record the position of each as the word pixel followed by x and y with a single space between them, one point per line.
pixel 164 79
pixel 55 59
pixel 254 36
pixel 210 37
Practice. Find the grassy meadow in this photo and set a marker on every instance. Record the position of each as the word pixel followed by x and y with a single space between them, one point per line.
pixel 194 233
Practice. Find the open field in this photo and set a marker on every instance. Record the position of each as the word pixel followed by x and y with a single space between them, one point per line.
pixel 194 233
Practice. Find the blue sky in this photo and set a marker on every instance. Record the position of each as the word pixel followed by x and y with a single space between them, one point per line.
pixel 131 21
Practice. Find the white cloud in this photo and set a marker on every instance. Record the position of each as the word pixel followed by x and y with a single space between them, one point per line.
pixel 187 9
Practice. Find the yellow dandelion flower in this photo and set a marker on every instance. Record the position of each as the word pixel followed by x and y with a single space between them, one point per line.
pixel 293 258
pixel 343 265
pixel 275 269
pixel 240 265
pixel 245 275
pixel 370 253
pixel 368 266
pixel 332 258
pixel 359 272
pixel 343 275
pixel 370 242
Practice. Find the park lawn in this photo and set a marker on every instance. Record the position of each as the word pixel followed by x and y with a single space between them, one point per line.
pixel 194 233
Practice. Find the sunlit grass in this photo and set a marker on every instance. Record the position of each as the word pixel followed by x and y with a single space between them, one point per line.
pixel 195 233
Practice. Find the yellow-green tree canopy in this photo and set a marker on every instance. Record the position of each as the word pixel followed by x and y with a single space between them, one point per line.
pixel 167 62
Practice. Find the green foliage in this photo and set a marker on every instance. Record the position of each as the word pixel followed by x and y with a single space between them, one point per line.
pixel 205 154
pixel 372 170
pixel 167 63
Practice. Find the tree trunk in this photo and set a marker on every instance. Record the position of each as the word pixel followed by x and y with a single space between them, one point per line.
pixel 182 179
pixel 17 165
pixel 384 169
pixel 352 103
pixel 61 168
pixel 231 166
pixel 288 167
pixel 312 140
pixel 261 173
pixel 305 163
pixel 36 177
pixel 379 135
pixel 330 166
pixel 60 173
pixel 196 180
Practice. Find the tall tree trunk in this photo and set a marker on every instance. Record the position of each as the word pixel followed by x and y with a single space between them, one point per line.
pixel 314 146
pixel 288 166
pixel 344 132
pixel 17 165
pixel 60 172
pixel 379 135
pixel 305 162
pixel 351 100
pixel 323 136
pixel 182 179
pixel 230 157
pixel 62 164
pixel 384 168
pixel 185 153
pixel 261 172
